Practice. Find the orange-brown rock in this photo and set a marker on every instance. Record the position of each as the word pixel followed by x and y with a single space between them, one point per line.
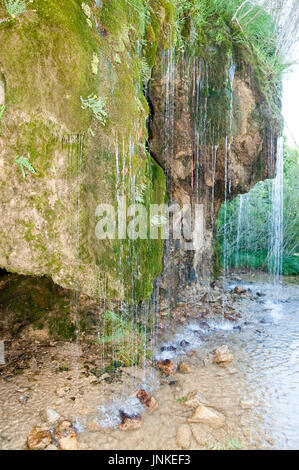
pixel 38 439
pixel 129 423
pixel 222 355
pixel 205 415
pixel 65 435
pixel 167 367
pixel 147 400
pixel 184 369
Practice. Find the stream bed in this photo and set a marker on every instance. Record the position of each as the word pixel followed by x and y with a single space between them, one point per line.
pixel 264 375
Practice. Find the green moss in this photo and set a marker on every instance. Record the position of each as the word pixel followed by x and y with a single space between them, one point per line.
pixel 49 48
pixel 62 328
pixel 46 64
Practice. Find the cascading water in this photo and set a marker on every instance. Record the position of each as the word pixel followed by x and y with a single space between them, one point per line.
pixel 227 180
pixel 239 233
pixel 276 224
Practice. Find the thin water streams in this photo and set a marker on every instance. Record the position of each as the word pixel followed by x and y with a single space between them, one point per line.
pixel 264 372
pixel 258 368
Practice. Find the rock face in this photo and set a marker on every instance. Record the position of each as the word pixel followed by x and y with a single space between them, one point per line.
pixel 74 134
pixel 81 159
pixel 213 137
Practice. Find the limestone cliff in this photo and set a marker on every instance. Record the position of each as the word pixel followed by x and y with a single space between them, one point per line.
pixel 72 80
pixel 215 137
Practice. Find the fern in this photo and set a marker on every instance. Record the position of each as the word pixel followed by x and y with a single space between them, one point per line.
pixel 123 336
pixel 24 164
pixel 146 71
pixel 139 192
pixel 158 220
pixel 97 106
pixel 15 7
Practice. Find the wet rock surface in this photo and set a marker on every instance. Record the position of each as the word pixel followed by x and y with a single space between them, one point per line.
pixel 147 400
pixel 38 439
pixel 66 436
pixel 130 423
pixel 167 367
pixel 223 390
pixel 222 355
pixel 183 436
pixel 205 415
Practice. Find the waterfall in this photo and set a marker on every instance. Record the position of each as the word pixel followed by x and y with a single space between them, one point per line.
pixel 276 222
pixel 240 221
pixel 227 181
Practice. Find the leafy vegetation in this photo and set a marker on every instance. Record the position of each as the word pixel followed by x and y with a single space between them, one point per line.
pixel 262 28
pixel 24 164
pixel 181 400
pixel 97 106
pixel 122 337
pixel 231 444
pixel 248 222
pixel 15 7
pixel 62 328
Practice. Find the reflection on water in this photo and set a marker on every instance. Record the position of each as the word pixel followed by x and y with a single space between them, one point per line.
pixel 268 351
pixel 265 343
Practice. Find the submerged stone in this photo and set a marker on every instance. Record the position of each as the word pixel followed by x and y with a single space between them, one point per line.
pixel 208 416
pixel 167 367
pixel 222 355
pixel 50 416
pixel 66 436
pixel 240 290
pixel 38 439
pixel 147 400
pixel 184 369
pixel 194 399
pixel 168 348
pixel 129 423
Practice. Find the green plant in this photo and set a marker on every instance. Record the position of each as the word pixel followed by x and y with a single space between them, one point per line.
pixel 121 336
pixel 97 106
pixel 146 71
pixel 181 400
pixel 62 328
pixel 265 30
pixel 139 192
pixel 15 7
pixel 231 444
pixel 24 164
pixel 2 109
pixel 244 224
